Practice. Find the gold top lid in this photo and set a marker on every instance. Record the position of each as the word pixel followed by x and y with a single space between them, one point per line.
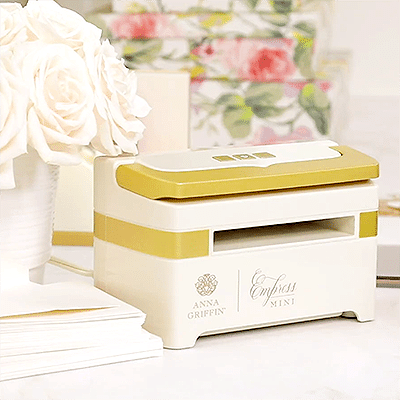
pixel 224 171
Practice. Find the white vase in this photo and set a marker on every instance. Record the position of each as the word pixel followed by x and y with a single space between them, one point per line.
pixel 27 212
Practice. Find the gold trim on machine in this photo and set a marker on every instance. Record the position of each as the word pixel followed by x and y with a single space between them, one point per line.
pixel 351 166
pixel 67 238
pixel 172 245
pixel 368 224
pixel 179 245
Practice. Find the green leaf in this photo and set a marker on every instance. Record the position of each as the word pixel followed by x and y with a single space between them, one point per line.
pixel 303 56
pixel 215 20
pixel 199 10
pixel 321 119
pixel 306 29
pixel 135 8
pixel 160 6
pixel 237 117
pixel 228 100
pixel 237 125
pixel 252 4
pixel 317 105
pixel 142 51
pixel 266 33
pixel 279 20
pixel 263 94
pixel 267 112
pixel 209 108
pixel 230 84
pixel 171 56
pixel 312 96
pixel 282 6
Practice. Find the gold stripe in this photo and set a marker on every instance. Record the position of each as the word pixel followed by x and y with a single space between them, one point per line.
pixel 67 238
pixel 369 224
pixel 350 167
pixel 172 245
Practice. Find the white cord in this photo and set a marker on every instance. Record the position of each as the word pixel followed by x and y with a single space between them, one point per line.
pixel 70 267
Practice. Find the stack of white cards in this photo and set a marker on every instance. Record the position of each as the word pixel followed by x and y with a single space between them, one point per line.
pixel 64 326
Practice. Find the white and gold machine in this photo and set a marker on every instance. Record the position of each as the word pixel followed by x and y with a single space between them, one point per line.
pixel 218 240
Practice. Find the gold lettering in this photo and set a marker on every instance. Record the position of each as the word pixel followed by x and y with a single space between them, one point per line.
pixel 211 312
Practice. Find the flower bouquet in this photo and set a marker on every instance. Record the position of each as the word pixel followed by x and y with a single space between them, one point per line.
pixel 62 90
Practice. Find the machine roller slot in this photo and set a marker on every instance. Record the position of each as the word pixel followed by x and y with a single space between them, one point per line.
pixel 288 233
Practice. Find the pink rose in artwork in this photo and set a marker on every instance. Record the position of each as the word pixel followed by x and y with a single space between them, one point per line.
pixel 204 51
pixel 324 85
pixel 261 60
pixel 301 133
pixel 140 26
pixel 269 64
pixel 220 51
pixel 268 60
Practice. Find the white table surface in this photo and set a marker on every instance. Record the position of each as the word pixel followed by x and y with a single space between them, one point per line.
pixel 334 358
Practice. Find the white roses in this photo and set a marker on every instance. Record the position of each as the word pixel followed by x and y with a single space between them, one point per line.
pixel 50 23
pixel 62 89
pixel 12 24
pixel 116 111
pixel 13 104
pixel 60 115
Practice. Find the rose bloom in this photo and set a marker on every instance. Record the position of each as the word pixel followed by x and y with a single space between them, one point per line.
pixel 232 53
pixel 53 24
pixel 116 104
pixel 204 51
pixel 60 116
pixel 301 133
pixel 325 86
pixel 269 64
pixel 12 24
pixel 13 106
pixel 140 26
pixel 256 59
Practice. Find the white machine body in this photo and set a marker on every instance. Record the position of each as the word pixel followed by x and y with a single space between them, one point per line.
pixel 268 257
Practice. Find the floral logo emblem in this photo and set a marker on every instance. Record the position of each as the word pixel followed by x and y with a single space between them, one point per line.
pixel 206 284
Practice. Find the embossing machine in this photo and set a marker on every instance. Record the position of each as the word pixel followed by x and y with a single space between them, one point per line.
pixel 225 239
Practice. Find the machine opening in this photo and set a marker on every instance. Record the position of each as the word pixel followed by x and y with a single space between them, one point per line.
pixel 294 232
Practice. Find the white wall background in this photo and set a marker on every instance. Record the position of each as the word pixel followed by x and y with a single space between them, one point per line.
pixel 371 30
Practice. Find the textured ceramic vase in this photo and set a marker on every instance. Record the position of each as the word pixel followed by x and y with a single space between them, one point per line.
pixel 27 212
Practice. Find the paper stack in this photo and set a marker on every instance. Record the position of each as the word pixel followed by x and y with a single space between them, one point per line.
pixel 64 326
